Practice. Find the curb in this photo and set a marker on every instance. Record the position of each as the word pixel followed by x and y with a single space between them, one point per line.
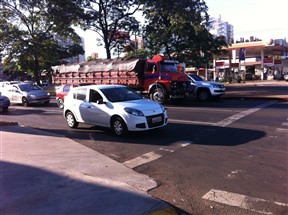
pixel 7 123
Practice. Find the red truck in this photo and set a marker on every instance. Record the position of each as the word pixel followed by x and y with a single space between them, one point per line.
pixel 159 78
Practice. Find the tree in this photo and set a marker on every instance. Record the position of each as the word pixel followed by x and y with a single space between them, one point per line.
pixel 28 32
pixel 109 17
pixel 183 29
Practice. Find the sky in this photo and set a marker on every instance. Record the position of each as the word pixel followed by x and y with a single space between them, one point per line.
pixel 264 19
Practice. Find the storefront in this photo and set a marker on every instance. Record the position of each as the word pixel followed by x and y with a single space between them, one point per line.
pixel 258 59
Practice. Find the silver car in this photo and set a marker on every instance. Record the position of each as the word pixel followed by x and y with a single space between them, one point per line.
pixel 26 93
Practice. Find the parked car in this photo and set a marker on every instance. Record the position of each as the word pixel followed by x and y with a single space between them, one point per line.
pixel 26 93
pixel 61 92
pixel 4 102
pixel 114 106
pixel 204 90
pixel 249 76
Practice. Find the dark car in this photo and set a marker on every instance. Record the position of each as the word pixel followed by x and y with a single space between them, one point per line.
pixel 4 102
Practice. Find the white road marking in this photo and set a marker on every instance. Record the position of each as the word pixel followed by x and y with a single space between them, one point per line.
pixel 146 158
pixel 242 201
pixel 285 124
pixel 202 108
pixel 282 130
pixel 151 156
pixel 189 122
pixel 242 114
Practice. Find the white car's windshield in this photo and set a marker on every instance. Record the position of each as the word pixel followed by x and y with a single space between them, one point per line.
pixel 29 87
pixel 120 94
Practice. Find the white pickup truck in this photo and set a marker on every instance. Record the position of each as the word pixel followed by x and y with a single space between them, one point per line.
pixel 205 90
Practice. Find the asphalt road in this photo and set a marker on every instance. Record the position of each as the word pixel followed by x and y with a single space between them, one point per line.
pixel 219 157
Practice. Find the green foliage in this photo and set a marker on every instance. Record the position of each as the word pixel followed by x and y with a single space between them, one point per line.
pixel 111 20
pixel 28 32
pixel 138 53
pixel 179 29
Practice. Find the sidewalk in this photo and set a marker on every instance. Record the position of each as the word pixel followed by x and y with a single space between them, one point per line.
pixel 48 174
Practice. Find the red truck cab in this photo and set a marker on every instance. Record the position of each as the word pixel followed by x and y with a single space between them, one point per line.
pixel 163 80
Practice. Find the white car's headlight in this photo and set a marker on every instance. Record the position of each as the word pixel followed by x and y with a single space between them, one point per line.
pixel 134 112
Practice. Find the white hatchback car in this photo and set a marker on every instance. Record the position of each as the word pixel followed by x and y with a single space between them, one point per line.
pixel 114 106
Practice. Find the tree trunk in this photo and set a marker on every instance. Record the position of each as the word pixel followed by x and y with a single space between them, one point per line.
pixel 107 48
pixel 36 71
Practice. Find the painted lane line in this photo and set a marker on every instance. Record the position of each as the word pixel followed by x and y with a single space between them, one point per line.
pixel 151 156
pixel 242 114
pixel 244 202
pixel 285 124
pixel 142 159
pixel 282 130
pixel 189 122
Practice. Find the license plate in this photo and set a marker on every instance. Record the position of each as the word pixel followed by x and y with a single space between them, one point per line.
pixel 156 119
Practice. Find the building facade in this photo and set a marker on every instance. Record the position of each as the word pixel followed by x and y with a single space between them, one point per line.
pixel 254 58
pixel 218 27
pixel 79 58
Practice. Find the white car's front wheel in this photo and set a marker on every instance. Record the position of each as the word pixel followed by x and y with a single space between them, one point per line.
pixel 119 127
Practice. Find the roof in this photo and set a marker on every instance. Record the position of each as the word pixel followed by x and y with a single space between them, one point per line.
pixel 102 86
pixel 101 65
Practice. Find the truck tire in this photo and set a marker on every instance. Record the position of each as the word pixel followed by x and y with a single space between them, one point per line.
pixel 158 95
pixel 203 95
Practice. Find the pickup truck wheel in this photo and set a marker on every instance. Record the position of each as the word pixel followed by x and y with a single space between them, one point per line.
pixel 119 127
pixel 71 121
pixel 25 102
pixel 60 103
pixel 158 95
pixel 4 109
pixel 47 102
pixel 203 95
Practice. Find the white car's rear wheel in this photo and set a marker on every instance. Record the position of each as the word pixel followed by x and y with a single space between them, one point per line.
pixel 71 121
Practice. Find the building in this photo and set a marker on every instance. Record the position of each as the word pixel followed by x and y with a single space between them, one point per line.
pixel 79 58
pixel 260 59
pixel 218 27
